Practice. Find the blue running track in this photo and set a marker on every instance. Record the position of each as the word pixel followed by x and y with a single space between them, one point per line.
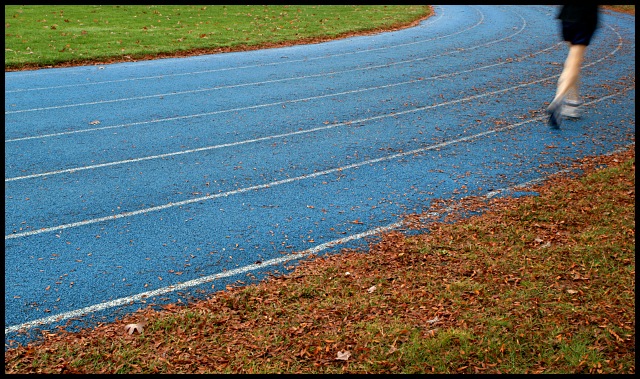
pixel 163 181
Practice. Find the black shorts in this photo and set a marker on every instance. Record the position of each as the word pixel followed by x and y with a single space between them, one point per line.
pixel 577 33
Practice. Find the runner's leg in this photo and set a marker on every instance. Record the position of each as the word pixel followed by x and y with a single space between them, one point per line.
pixel 569 79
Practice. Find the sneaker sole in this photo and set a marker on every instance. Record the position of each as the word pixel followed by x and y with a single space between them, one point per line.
pixel 554 116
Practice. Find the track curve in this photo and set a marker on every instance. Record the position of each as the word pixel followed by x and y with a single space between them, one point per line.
pixel 162 181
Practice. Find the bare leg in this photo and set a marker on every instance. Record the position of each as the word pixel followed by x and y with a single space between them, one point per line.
pixel 573 94
pixel 570 77
pixel 567 86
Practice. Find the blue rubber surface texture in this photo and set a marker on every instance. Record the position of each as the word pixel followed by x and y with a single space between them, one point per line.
pixel 183 176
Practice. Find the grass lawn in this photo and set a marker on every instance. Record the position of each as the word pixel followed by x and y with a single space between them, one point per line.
pixel 51 35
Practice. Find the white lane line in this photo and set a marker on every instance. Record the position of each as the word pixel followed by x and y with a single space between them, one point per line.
pixel 197 282
pixel 284 181
pixel 297 100
pixel 70 170
pixel 289 101
pixel 424 108
pixel 441 76
pixel 275 136
pixel 242 270
pixel 387 65
pixel 261 186
pixel 429 21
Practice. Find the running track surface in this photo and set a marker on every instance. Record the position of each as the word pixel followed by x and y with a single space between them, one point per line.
pixel 163 181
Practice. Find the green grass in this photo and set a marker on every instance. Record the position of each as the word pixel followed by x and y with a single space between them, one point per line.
pixel 42 35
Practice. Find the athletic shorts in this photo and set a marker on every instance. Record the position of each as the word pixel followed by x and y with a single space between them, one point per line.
pixel 577 33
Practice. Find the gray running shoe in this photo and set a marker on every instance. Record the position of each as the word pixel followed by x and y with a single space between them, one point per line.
pixel 572 109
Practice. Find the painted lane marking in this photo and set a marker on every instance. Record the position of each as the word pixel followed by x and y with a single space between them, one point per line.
pixel 289 101
pixel 394 114
pixel 268 81
pixel 275 136
pixel 252 188
pixel 441 76
pixel 285 181
pixel 197 282
pixel 252 267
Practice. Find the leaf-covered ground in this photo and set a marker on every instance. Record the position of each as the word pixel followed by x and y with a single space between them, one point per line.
pixel 535 284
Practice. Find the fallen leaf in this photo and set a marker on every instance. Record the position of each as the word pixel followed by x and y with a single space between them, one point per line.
pixel 572 291
pixel 131 328
pixel 343 355
pixel 370 290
